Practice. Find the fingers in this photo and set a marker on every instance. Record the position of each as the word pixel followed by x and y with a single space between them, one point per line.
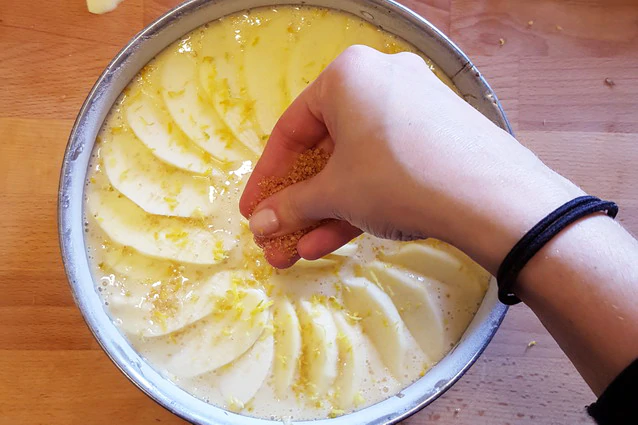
pixel 298 129
pixel 294 208
pixel 279 259
pixel 326 239
pixel 320 242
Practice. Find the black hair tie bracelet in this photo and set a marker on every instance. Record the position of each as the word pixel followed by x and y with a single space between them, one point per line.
pixel 542 233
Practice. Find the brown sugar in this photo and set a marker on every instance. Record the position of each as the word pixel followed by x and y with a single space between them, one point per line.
pixel 308 164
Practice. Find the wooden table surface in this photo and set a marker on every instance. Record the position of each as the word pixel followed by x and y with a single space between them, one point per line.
pixel 549 73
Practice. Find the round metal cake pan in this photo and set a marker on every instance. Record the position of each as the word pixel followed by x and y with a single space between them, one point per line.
pixel 142 48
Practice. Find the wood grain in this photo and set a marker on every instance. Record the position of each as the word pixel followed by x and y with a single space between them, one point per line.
pixel 562 29
pixel 549 76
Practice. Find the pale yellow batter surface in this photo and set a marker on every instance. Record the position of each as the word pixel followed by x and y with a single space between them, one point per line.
pixel 175 261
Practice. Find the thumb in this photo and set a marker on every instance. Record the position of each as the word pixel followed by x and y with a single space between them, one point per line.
pixel 294 208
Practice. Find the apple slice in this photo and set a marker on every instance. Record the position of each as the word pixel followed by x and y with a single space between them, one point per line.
pixel 437 260
pixel 197 119
pixel 162 136
pixel 222 76
pixel 220 338
pixel 133 265
pixel 381 321
pixel 348 250
pixel 330 260
pixel 156 188
pixel 266 50
pixel 421 314
pixel 318 43
pixel 157 236
pixel 365 33
pixel 352 361
pixel 320 352
pixel 314 264
pixel 150 316
pixel 239 381
pixel 358 32
pixel 287 345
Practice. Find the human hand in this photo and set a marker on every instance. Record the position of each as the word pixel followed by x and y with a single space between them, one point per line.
pixel 410 159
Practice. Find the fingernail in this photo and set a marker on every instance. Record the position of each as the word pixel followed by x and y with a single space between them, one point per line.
pixel 264 222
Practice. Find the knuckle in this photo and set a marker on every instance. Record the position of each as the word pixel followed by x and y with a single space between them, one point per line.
pixel 355 59
pixel 292 207
pixel 315 198
pixel 353 66
pixel 301 202
pixel 358 51
pixel 409 59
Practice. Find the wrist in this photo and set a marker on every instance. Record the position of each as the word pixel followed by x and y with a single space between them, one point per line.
pixel 563 258
pixel 582 285
pixel 511 210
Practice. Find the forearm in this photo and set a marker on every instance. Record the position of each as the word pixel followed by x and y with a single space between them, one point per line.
pixel 583 285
